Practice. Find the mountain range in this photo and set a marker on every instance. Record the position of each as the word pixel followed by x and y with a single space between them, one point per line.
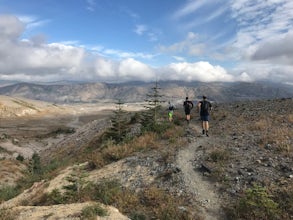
pixel 72 92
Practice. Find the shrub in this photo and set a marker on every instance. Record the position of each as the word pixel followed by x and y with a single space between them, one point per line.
pixel 106 191
pixel 284 197
pixel 91 212
pixel 256 204
pixel 20 158
pixel 8 192
pixel 219 155
pixel 55 197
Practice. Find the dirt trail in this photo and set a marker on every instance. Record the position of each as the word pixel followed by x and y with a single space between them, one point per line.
pixel 203 190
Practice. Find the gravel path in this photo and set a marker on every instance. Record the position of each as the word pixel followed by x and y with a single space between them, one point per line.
pixel 203 190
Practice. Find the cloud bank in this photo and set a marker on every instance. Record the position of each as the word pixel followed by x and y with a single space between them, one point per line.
pixel 36 60
pixel 32 60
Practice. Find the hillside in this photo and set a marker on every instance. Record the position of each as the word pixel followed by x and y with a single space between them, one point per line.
pixel 243 169
pixel 135 91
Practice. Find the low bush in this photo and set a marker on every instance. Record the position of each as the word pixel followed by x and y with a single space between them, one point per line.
pixel 256 203
pixel 218 155
pixel 91 212
pixel 8 192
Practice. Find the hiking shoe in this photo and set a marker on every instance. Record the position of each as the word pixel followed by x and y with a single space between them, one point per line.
pixel 203 131
pixel 207 133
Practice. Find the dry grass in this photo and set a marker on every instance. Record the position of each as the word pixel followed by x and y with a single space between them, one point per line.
pixel 290 118
pixel 10 171
pixel 113 152
pixel 262 125
pixel 153 203
pixel 6 214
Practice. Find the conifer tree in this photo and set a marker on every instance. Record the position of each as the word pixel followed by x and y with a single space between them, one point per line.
pixel 119 124
pixel 153 105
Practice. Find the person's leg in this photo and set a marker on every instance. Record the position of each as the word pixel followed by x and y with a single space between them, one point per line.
pixel 187 113
pixel 206 125
pixel 205 119
pixel 169 116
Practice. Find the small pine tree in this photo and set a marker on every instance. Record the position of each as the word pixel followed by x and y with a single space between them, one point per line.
pixel 35 165
pixel 119 121
pixel 151 115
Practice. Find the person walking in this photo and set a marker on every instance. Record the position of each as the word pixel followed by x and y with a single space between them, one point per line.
pixel 204 108
pixel 171 109
pixel 188 105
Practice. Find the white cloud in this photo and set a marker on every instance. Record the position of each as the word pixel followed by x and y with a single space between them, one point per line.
pixel 105 69
pixel 35 60
pixel 279 50
pixel 32 22
pixel 144 30
pixel 201 71
pixel 140 29
pixel 179 59
pixel 91 5
pixel 191 7
pixel 125 54
pixel 190 46
pixel 260 21
pixel 11 28
pixel 131 69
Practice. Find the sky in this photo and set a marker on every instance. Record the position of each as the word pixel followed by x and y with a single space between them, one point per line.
pixel 148 40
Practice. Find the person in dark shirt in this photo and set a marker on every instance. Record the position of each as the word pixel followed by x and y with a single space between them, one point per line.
pixel 188 105
pixel 204 108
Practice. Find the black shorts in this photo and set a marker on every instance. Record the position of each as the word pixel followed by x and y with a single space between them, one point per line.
pixel 204 117
pixel 187 111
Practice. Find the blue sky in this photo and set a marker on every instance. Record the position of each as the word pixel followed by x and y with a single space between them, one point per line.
pixel 122 40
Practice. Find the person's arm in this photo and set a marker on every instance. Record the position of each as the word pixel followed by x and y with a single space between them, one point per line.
pixel 198 106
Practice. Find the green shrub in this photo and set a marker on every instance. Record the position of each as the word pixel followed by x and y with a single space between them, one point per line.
pixel 106 191
pixel 91 212
pixel 219 155
pixel 137 216
pixel 55 197
pixel 8 192
pixel 20 158
pixel 256 204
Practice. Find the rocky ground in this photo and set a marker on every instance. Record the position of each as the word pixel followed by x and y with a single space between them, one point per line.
pixel 250 142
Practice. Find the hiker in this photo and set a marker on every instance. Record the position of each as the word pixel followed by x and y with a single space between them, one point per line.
pixel 171 109
pixel 204 107
pixel 188 105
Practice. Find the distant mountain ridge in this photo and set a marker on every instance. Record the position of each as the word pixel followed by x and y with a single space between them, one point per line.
pixel 136 91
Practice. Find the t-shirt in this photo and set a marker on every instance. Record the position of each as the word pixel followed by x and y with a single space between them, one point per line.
pixel 205 107
pixel 188 105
